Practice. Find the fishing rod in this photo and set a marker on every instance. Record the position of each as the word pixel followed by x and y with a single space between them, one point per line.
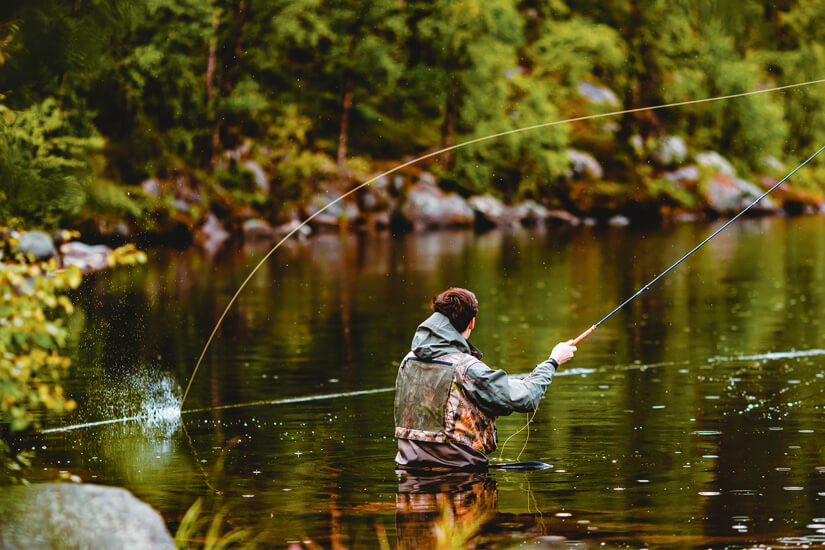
pixel 589 331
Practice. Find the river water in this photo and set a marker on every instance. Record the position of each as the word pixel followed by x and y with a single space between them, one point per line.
pixel 694 417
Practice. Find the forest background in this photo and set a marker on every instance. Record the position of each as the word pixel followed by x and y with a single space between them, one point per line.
pixel 205 99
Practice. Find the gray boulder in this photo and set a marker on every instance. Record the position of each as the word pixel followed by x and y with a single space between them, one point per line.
pixel 87 257
pixel 670 150
pixel 427 206
pixel 332 214
pixel 597 94
pixel 618 221
pixel 257 230
pixel 714 160
pixel 530 212
pixel 37 244
pixel 258 175
pixel 727 194
pixel 490 212
pixel 68 515
pixel 211 236
pixel 151 187
pixel 583 164
pixel 686 174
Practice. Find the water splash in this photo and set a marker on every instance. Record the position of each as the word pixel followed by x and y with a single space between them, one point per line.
pixel 148 398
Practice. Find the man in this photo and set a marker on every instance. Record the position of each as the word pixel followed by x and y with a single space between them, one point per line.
pixel 447 400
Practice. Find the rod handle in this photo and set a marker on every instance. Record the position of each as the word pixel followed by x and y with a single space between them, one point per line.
pixel 583 335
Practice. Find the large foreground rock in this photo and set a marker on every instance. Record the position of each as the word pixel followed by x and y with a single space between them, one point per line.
pixel 728 195
pixel 68 516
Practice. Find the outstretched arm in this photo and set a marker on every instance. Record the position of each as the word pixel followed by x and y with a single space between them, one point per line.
pixel 499 395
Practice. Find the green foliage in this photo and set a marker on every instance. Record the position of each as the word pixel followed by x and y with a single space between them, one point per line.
pixel 34 307
pixel 198 531
pixel 100 95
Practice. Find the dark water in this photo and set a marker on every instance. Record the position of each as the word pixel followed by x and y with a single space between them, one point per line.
pixel 694 417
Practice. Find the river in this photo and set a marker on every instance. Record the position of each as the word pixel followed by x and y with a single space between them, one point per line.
pixel 693 417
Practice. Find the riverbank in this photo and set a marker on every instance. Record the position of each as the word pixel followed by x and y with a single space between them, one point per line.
pixel 673 186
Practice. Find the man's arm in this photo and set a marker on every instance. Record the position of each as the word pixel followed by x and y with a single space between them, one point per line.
pixel 499 395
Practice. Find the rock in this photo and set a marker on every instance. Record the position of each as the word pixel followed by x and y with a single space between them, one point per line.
pixel 335 214
pixel 212 235
pixel 84 256
pixel 618 221
pixel 427 178
pixel 727 194
pixel 637 143
pixel 374 199
pixel 687 174
pixel 259 176
pixel 597 94
pixel 257 230
pixel 774 163
pixel 181 205
pixel 69 515
pixel 489 211
pixel 716 161
pixel 37 244
pixel 427 206
pixel 670 150
pixel 285 229
pixel 589 222
pixel 151 187
pixel 564 216
pixel 529 213
pixel 583 164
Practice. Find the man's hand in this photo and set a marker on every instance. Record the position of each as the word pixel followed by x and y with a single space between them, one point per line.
pixel 563 352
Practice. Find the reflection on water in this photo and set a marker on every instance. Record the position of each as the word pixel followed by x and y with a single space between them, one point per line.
pixel 691 418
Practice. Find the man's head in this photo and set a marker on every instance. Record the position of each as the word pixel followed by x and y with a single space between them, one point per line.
pixel 459 305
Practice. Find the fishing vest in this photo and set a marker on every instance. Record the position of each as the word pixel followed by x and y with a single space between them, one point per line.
pixel 432 405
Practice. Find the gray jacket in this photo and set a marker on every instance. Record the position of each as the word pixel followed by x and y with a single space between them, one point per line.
pixel 493 391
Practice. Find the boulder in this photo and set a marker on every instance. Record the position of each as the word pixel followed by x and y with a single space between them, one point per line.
pixel 257 230
pixel 151 187
pixel 563 216
pixel 716 161
pixel 69 515
pixel 427 206
pixel 258 175
pixel 686 174
pixel 670 150
pixel 583 164
pixel 332 214
pixel 529 213
pixel 597 94
pixel 773 163
pixel 727 194
pixel 84 256
pixel 37 244
pixel 285 229
pixel 211 235
pixel 490 212
pixel 618 221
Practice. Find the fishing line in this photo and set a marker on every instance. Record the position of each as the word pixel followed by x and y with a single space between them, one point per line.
pixel 445 150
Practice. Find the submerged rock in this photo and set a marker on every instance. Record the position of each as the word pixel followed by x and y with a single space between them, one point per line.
pixel 68 515
pixel 37 244
pixel 618 221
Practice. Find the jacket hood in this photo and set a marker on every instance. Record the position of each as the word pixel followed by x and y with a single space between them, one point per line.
pixel 437 336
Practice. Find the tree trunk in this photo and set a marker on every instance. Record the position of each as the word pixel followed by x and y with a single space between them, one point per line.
pixel 342 135
pixel 448 130
pixel 213 52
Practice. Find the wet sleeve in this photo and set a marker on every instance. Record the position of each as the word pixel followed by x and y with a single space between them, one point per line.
pixel 495 393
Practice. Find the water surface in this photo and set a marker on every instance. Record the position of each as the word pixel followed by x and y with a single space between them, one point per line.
pixel 691 418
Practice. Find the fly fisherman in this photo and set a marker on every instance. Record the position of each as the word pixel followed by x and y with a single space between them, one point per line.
pixel 447 400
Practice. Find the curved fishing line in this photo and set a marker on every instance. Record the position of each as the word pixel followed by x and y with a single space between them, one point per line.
pixel 445 150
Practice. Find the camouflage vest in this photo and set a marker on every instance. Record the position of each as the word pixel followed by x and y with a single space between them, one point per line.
pixel 431 403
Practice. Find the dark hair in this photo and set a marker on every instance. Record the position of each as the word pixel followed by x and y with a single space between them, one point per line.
pixel 459 305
